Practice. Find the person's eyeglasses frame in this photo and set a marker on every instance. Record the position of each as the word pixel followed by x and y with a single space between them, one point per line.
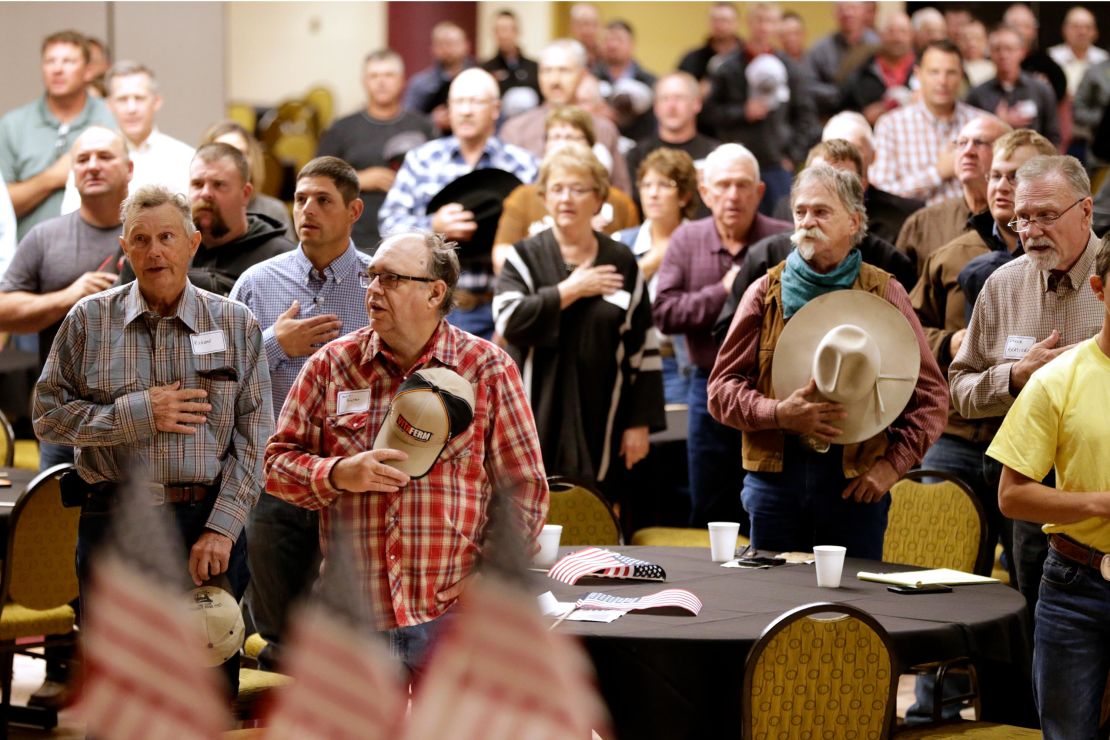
pixel 390 280
pixel 1021 225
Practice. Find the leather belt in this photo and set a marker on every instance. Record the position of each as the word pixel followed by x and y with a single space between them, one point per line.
pixel 1081 554
pixel 468 300
pixel 168 493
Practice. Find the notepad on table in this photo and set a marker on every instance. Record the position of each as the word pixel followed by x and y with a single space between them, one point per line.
pixel 919 578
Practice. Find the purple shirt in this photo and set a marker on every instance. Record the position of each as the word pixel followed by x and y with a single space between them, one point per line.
pixel 689 294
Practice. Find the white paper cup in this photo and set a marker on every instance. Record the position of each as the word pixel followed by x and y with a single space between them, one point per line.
pixel 830 564
pixel 549 545
pixel 722 541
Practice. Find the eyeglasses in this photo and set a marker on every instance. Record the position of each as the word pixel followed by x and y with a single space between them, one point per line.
pixel 389 280
pixel 658 185
pixel 1045 222
pixel 977 143
pixel 576 190
pixel 997 176
pixel 472 102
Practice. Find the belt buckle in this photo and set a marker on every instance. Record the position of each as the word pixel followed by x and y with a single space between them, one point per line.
pixel 1104 567
pixel 157 493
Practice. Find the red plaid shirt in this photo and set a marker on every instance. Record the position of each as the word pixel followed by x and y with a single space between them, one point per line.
pixel 425 538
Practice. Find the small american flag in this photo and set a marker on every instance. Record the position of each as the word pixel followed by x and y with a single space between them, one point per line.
pixel 345 685
pixel 669 597
pixel 499 674
pixel 595 561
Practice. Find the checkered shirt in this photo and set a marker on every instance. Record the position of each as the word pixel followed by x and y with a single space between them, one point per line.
pixel 425 538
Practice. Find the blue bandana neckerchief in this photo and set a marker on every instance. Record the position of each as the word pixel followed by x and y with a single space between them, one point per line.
pixel 801 283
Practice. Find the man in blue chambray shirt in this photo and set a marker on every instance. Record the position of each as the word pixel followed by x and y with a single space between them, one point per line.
pixel 473 104
pixel 302 299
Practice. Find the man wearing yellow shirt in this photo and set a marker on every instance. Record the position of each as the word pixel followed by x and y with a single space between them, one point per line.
pixel 1059 420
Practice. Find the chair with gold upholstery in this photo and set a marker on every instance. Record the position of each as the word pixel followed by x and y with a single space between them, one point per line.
pixel 7 442
pixel 935 521
pixel 820 668
pixel 254 687
pixel 38 583
pixel 678 537
pixel 585 514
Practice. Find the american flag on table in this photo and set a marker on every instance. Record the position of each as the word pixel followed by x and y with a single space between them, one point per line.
pixel 669 597
pixel 345 684
pixel 145 668
pixel 601 563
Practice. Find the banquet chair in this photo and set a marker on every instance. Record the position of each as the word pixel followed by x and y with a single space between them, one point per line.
pixel 817 668
pixel 37 584
pixel 585 514
pixel 935 521
pixel 7 442
pixel 679 537
pixel 255 687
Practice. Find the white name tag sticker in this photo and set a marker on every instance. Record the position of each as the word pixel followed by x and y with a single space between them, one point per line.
pixel 621 299
pixel 208 342
pixel 1017 347
pixel 352 402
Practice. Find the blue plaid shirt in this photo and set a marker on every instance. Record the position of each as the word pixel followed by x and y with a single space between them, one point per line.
pixel 269 287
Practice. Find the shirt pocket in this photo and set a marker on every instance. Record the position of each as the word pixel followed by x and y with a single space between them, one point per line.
pixel 222 395
pixel 347 434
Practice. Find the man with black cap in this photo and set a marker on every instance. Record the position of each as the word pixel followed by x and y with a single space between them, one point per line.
pixel 473 105
pixel 357 441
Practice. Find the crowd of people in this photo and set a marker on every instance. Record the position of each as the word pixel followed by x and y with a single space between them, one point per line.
pixel 763 234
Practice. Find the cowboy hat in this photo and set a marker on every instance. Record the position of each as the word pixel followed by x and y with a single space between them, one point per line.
pixel 862 353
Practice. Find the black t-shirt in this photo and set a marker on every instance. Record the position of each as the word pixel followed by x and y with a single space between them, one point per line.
pixel 364 142
pixel 698 148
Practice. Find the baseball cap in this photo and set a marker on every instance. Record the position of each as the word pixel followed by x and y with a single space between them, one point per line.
pixel 219 621
pixel 433 406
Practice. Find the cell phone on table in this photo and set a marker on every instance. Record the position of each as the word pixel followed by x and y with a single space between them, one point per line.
pixel 932 588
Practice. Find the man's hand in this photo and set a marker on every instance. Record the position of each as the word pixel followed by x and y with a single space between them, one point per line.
pixel 89 283
pixel 755 109
pixel 589 280
pixel 59 171
pixel 301 337
pixel 209 556
pixel 174 407
pixel 730 277
pixel 946 162
pixel 1038 355
pixel 872 485
pixel 367 472
pixel 1013 115
pixel 451 593
pixel 955 342
pixel 634 445
pixel 376 179
pixel 454 222
pixel 796 413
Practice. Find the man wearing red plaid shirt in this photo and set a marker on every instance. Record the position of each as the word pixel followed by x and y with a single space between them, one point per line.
pixel 415 540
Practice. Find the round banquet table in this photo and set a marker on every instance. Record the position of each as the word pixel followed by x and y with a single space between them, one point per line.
pixel 665 676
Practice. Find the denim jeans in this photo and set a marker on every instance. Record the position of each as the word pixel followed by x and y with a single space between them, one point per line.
pixel 1071 648
pixel 411 644
pixel 190 520
pixel 1030 550
pixel 284 557
pixel 802 506
pixel 51 454
pixel 713 452
pixel 478 320
pixel 676 372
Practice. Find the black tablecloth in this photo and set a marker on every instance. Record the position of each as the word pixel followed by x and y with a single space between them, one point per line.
pixel 681 676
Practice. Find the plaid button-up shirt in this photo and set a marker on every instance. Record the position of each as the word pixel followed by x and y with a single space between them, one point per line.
pixel 426 537
pixel 94 394
pixel 907 144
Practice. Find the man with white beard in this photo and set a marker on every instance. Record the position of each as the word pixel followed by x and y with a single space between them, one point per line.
pixel 1031 310
pixel 802 488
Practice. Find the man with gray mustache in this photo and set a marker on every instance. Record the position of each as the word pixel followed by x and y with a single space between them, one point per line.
pixel 1031 310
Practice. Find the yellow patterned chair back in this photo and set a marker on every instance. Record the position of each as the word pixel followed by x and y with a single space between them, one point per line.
pixel 39 572
pixel 820 670
pixel 585 514
pixel 935 521
pixel 7 442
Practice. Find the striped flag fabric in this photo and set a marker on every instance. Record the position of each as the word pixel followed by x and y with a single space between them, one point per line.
pixel 145 672
pixel 601 563
pixel 499 674
pixel 345 685
pixel 668 597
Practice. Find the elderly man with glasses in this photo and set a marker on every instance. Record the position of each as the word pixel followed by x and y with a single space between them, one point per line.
pixel 302 298
pixel 1030 311
pixel 418 538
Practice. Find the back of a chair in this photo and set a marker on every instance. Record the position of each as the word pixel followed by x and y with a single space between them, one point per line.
pixel 585 514
pixel 935 521
pixel 39 570
pixel 7 442
pixel 820 670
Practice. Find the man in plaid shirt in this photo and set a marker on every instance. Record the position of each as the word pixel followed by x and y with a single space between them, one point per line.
pixel 416 540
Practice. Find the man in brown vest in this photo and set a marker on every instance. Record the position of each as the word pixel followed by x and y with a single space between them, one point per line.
pixel 803 488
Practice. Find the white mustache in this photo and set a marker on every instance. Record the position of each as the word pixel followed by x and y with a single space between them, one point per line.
pixel 814 234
